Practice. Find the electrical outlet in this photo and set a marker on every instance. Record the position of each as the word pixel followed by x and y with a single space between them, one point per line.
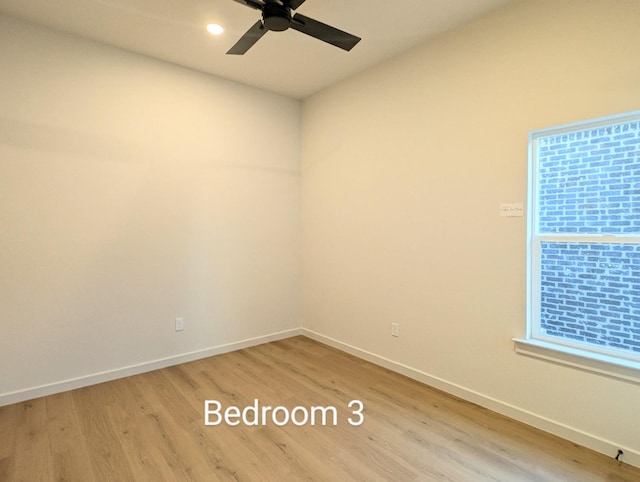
pixel 395 329
pixel 179 324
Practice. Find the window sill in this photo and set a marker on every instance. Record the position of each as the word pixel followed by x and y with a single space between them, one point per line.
pixel 609 366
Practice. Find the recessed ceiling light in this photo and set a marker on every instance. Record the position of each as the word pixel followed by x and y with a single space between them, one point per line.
pixel 214 29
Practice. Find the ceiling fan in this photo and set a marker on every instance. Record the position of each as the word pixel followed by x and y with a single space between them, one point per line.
pixel 276 16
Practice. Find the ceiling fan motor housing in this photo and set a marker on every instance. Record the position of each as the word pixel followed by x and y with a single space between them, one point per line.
pixel 276 17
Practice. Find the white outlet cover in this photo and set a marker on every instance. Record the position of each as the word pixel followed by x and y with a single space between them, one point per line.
pixel 179 324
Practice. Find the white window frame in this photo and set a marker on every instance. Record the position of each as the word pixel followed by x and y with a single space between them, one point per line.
pixel 606 361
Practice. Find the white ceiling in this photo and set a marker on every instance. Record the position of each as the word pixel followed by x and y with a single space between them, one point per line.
pixel 288 63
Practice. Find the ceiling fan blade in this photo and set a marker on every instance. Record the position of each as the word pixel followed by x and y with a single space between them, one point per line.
pixel 295 4
pixel 257 4
pixel 324 32
pixel 248 39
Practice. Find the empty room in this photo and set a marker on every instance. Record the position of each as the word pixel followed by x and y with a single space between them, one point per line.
pixel 282 240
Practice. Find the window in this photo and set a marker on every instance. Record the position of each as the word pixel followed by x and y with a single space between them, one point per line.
pixel 583 297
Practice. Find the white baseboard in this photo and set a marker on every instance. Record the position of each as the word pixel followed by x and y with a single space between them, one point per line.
pixel 579 437
pixel 84 381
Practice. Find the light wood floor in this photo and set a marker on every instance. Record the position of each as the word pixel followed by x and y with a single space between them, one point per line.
pixel 151 427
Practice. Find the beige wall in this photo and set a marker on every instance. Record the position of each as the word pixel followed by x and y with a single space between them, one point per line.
pixel 133 192
pixel 403 169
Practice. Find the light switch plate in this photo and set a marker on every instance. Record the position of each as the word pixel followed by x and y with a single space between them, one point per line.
pixel 512 210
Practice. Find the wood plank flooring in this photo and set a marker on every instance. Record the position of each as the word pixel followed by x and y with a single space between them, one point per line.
pixel 150 427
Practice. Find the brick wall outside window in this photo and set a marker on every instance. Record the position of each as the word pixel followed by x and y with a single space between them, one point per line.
pixel 588 187
pixel 591 293
pixel 589 181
